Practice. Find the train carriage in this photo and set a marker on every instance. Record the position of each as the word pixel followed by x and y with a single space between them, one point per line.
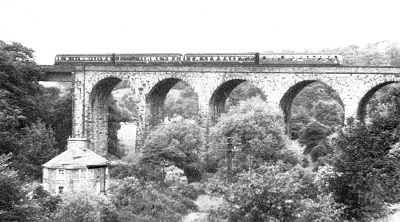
pixel 220 58
pixel 84 59
pixel 299 59
pixel 148 58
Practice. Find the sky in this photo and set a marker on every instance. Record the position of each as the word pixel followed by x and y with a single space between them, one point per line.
pixel 53 27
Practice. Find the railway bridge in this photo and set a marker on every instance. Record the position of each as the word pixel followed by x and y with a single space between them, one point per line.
pixel 95 76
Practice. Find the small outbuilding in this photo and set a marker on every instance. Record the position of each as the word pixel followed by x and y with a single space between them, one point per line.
pixel 76 169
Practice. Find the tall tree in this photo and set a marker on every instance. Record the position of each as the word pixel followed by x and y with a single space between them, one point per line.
pixel 176 143
pixel 255 129
pixel 368 169
pixel 36 147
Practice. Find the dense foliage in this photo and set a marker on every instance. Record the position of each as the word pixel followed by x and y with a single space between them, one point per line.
pixel 268 184
pixel 255 130
pixel 138 201
pixel 59 106
pixel 243 91
pixel 115 117
pixel 177 143
pixel 184 104
pixel 369 169
pixel 275 193
pixel 11 194
pixel 22 106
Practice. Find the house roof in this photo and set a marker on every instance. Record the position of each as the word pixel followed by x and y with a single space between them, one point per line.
pixel 75 158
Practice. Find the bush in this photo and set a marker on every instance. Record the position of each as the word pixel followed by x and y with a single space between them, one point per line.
pixel 275 193
pixel 47 203
pixel 138 201
pixel 85 207
pixel 144 171
pixel 187 190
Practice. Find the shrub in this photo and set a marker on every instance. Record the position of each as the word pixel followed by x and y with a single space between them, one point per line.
pixel 84 207
pixel 140 201
pixel 275 193
pixel 144 171
pixel 187 190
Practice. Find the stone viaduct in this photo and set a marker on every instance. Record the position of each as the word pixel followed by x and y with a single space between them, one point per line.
pixel 150 83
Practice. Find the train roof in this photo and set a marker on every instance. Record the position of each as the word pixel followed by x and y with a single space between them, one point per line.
pixel 122 54
pixel 148 54
pixel 215 54
pixel 109 54
pixel 299 53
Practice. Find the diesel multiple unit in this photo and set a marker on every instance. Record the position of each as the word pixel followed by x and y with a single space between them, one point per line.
pixel 203 58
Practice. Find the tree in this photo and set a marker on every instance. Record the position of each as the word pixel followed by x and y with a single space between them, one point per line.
pixel 115 116
pixel 268 183
pixel 18 82
pixel 315 103
pixel 184 105
pixel 368 172
pixel 19 93
pixel 22 105
pixel 60 115
pixel 36 147
pixel 313 135
pixel 256 130
pixel 329 113
pixel 276 192
pixel 383 53
pixel 13 199
pixel 177 143
pixel 385 103
pixel 243 91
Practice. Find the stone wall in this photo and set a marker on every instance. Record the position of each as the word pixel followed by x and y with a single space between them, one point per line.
pixel 150 84
pixel 75 180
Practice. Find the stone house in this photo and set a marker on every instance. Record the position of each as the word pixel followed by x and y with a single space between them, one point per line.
pixel 76 169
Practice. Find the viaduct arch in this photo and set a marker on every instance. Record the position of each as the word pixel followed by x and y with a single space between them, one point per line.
pixel 287 100
pixel 92 85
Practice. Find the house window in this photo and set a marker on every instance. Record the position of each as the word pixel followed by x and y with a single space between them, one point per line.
pixel 60 173
pixel 90 174
pixel 60 189
pixel 83 173
pixel 75 174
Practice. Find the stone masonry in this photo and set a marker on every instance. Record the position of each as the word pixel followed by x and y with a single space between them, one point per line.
pixel 212 84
